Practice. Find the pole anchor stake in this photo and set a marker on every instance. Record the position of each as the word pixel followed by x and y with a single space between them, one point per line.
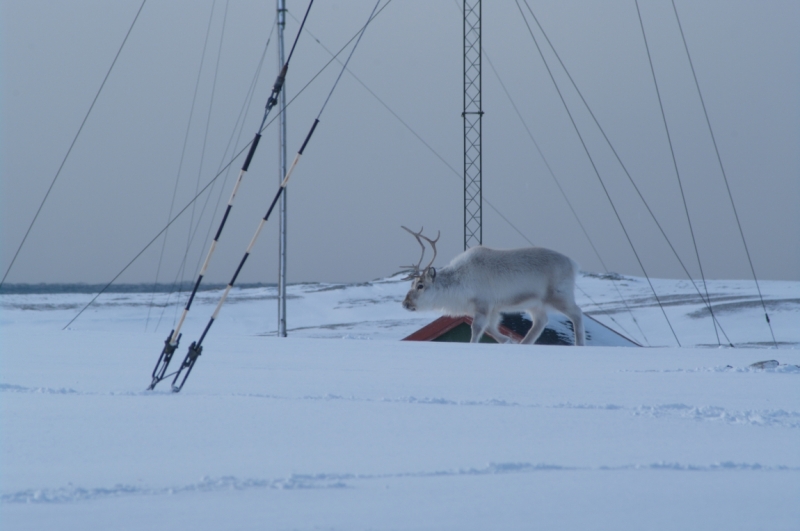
pixel 188 362
pixel 164 359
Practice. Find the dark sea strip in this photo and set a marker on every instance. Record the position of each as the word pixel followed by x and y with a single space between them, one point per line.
pixel 46 288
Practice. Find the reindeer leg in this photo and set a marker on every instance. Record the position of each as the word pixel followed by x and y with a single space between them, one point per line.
pixel 539 317
pixel 480 322
pixel 494 330
pixel 574 314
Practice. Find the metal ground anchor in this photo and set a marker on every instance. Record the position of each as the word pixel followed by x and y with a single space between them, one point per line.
pixel 188 362
pixel 163 360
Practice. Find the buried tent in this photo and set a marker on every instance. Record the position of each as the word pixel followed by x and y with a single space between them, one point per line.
pixel 557 332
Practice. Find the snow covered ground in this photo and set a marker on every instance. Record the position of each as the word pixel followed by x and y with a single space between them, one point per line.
pixel 342 426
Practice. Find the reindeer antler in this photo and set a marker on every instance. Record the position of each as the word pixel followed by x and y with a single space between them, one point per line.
pixel 415 268
pixel 416 271
pixel 433 246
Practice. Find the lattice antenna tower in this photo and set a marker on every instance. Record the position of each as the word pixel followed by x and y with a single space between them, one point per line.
pixel 473 114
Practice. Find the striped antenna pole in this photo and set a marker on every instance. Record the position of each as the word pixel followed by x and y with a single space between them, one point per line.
pixel 171 343
pixel 196 348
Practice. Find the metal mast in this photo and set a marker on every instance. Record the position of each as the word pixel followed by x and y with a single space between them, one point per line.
pixel 281 173
pixel 473 113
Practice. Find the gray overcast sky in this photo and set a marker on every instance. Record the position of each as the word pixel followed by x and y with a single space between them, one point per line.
pixel 364 174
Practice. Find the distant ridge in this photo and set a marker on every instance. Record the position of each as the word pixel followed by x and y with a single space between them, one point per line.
pixel 80 287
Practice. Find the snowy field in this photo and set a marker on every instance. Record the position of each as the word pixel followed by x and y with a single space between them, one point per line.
pixel 342 426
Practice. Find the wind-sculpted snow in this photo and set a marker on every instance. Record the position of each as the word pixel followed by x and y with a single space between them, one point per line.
pixel 772 418
pixel 9 388
pixel 73 494
pixel 777 418
pixel 767 366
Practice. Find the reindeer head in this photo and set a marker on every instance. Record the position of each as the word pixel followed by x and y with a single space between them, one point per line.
pixel 421 280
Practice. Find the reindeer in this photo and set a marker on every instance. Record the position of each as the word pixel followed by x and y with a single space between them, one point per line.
pixel 483 282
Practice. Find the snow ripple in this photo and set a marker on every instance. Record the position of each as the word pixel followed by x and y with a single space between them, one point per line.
pixel 767 366
pixel 777 417
pixel 774 417
pixel 341 481
pixel 43 390
pixel 767 417
pixel 207 484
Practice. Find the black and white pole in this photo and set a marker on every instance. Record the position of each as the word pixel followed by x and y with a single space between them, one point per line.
pixel 171 343
pixel 196 348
